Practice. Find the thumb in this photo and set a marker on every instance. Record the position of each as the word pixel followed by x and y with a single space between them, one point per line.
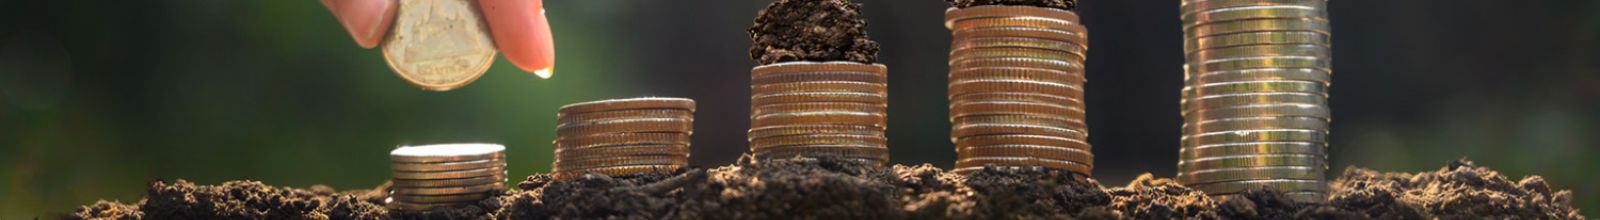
pixel 522 33
pixel 366 20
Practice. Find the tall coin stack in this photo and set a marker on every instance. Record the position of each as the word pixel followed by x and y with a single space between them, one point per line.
pixel 1016 88
pixel 816 109
pixel 1255 101
pixel 446 175
pixel 623 136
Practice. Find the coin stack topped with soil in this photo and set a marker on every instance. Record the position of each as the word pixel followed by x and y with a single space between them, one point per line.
pixel 1255 103
pixel 817 93
pixel 1016 88
pixel 623 136
pixel 446 175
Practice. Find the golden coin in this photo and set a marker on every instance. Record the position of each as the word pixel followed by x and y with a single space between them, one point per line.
pixel 873 153
pixel 808 66
pixel 969 130
pixel 491 171
pixel 1079 38
pixel 646 125
pixel 1269 74
pixel 1232 100
pixel 1017 73
pixel 1257 51
pixel 446 153
pixel 1250 173
pixel 1022 139
pixel 1073 166
pixel 1257 25
pixel 1260 160
pixel 626 104
pixel 1302 196
pixel 1004 11
pixel 850 118
pixel 453 190
pixel 470 181
pixel 1256 136
pixel 432 199
pixel 990 52
pixel 624 150
pixel 1018 42
pixel 1021 150
pixel 1016 96
pixel 1280 185
pixel 1263 110
pixel 794 77
pixel 438 45
pixel 1063 65
pixel 1036 109
pixel 1252 148
pixel 449 166
pixel 617 170
pixel 1255 86
pixel 1197 126
pixel 1187 7
pixel 818 139
pixel 626 114
pixel 1319 63
pixel 565 165
pixel 805 129
pixel 619 139
pixel 819 107
pixel 801 97
pixel 1059 122
pixel 820 86
pixel 1254 12
pixel 960 87
pixel 1017 21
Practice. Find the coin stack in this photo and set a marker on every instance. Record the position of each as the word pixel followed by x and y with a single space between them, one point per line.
pixel 1255 102
pixel 816 109
pixel 623 136
pixel 446 175
pixel 1016 88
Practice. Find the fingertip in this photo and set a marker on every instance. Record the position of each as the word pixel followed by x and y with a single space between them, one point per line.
pixel 367 21
pixel 522 33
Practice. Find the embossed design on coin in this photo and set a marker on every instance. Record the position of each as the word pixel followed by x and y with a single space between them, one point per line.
pixel 438 45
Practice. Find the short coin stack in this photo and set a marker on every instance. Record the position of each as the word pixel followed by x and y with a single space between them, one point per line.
pixel 1016 88
pixel 816 109
pixel 446 175
pixel 623 136
pixel 1255 102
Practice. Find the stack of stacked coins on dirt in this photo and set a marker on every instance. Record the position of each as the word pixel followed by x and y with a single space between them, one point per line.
pixel 623 136
pixel 1255 102
pixel 1016 88
pixel 816 109
pixel 446 175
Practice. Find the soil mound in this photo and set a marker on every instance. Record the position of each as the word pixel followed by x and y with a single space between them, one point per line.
pixel 831 188
pixel 811 30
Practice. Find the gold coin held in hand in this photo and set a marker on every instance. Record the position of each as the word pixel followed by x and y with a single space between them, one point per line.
pixel 438 45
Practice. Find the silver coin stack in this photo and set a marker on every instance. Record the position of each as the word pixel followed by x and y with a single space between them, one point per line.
pixel 1255 101
pixel 446 175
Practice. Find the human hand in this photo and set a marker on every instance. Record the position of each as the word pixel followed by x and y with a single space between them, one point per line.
pixel 519 28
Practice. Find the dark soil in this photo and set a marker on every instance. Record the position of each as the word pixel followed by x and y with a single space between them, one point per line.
pixel 1059 4
pixel 811 30
pixel 838 189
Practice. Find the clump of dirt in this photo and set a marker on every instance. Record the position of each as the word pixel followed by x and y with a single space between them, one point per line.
pixel 833 188
pixel 1460 190
pixel 811 30
pixel 1058 4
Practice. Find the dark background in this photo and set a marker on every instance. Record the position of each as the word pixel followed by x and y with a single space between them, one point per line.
pixel 97 98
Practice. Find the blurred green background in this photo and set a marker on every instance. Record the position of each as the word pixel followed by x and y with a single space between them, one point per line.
pixel 97 98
